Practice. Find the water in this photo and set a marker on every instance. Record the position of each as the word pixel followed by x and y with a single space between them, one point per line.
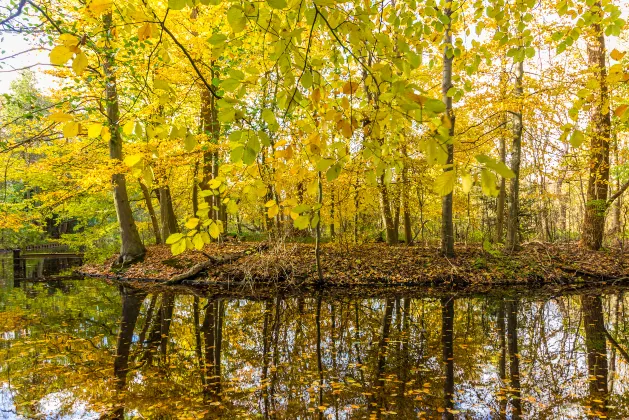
pixel 89 349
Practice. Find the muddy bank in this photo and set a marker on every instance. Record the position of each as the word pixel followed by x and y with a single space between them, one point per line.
pixel 291 264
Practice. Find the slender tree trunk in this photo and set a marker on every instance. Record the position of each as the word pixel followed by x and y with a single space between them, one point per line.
pixel 332 213
pixel 149 206
pixel 600 132
pixel 387 216
pixel 447 224
pixel 131 248
pixel 447 359
pixel 406 211
pixel 502 196
pixel 318 233
pixel 513 228
pixel 502 367
pixel 167 213
pixel 514 359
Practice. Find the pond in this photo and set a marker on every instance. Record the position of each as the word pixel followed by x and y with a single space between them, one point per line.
pixel 87 348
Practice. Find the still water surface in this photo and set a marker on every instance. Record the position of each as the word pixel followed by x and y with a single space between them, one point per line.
pixel 77 349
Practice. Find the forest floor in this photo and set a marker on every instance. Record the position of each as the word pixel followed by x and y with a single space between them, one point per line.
pixel 244 263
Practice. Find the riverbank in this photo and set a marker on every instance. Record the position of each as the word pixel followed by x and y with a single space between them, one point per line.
pixel 369 264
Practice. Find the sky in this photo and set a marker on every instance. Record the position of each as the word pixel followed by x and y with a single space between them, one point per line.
pixel 11 44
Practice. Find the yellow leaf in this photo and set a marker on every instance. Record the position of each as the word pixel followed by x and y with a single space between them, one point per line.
pixel 444 183
pixel 144 32
pixel 80 63
pixel 105 134
pixel 60 117
pixel 197 241
pixel 467 182
pixel 215 230
pixel 273 211
pixel 128 127
pixel 178 247
pixel 98 7
pixel 71 129
pixel 94 130
pixel 617 55
pixel 270 203
pixel 133 160
pixel 192 223
pixel 69 40
pixel 60 55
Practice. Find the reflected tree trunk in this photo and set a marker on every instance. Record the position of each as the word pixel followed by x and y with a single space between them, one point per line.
pixel 131 305
pixel 447 344
pixel 596 347
pixel 514 358
pixel 319 358
pixel 502 368
pixel 168 305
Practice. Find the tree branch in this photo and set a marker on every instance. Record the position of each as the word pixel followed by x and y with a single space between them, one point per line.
pixel 18 12
pixel 617 194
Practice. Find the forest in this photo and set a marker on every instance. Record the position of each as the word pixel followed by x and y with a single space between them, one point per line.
pixel 467 136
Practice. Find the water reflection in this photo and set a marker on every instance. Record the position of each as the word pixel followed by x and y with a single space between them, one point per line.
pixel 117 352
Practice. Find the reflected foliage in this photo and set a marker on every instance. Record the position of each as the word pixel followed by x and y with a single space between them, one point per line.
pixel 93 349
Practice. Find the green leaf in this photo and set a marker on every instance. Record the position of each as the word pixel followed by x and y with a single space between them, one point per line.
pixel 444 184
pixel 269 117
pixel 230 85
pixel 277 4
pixel 190 142
pixel 501 169
pixel 217 39
pixel 333 172
pixel 324 164
pixel 435 105
pixel 236 18
pixel 488 183
pixel 301 208
pixel 249 156
pixel 301 222
pixel 176 4
pixel 577 138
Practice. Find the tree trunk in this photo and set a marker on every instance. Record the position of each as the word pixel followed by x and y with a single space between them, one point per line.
pixel 447 225
pixel 502 196
pixel 318 233
pixel 600 132
pixel 149 206
pixel 131 247
pixel 513 228
pixel 596 347
pixel 167 213
pixel 332 231
pixel 406 211
pixel 387 217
